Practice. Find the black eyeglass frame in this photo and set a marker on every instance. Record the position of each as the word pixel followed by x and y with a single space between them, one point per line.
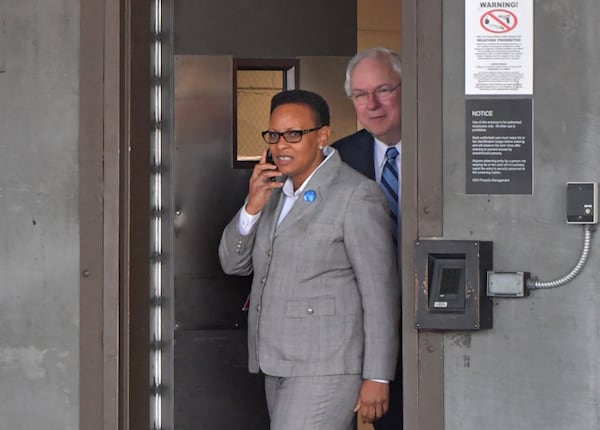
pixel 286 134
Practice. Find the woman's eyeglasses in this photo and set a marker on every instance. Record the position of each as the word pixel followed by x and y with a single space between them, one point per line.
pixel 290 136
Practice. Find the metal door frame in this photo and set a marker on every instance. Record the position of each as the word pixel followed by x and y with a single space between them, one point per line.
pixel 114 130
pixel 422 201
pixel 114 209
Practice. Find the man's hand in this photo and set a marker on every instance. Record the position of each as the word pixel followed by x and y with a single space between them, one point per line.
pixel 373 400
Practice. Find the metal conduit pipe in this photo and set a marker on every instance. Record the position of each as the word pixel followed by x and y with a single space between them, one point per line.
pixel 534 284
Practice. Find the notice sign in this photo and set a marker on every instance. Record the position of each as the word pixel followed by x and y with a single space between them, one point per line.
pixel 499 146
pixel 499 47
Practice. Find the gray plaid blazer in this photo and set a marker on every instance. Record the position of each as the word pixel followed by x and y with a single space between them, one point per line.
pixel 325 293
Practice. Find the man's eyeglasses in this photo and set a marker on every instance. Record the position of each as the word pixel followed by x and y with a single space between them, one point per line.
pixel 290 136
pixel 383 93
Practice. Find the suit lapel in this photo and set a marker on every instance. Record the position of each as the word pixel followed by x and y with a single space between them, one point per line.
pixel 301 209
pixel 317 187
pixel 357 151
pixel 366 150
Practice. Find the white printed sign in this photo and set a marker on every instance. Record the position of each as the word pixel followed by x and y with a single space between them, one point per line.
pixel 499 47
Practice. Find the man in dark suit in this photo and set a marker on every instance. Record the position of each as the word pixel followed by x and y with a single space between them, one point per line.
pixel 373 83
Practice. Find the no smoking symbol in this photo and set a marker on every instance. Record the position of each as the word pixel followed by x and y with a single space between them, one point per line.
pixel 498 21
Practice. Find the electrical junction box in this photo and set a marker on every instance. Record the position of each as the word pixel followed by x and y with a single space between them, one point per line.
pixel 507 284
pixel 582 202
pixel 450 285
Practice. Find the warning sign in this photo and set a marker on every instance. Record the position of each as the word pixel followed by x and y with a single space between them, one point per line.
pixel 498 47
pixel 499 21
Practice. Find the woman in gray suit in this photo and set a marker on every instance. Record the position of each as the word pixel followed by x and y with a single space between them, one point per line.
pixel 324 306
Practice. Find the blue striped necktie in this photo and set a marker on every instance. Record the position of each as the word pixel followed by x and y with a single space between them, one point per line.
pixel 389 184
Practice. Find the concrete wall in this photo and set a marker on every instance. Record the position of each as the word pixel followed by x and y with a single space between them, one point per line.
pixel 39 236
pixel 538 368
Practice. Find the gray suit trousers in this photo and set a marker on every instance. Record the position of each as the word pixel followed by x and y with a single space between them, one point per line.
pixel 312 402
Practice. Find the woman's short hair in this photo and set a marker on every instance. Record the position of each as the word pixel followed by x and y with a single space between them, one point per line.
pixel 313 100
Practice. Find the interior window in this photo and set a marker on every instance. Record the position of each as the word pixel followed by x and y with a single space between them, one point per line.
pixel 255 83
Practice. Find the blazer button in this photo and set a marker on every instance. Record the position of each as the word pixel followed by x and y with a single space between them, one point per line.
pixel 310 311
pixel 257 308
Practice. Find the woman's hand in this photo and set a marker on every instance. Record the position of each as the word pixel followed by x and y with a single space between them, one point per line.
pixel 373 400
pixel 261 184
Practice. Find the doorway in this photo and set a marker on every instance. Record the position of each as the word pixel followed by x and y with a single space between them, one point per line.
pixel 107 397
pixel 205 184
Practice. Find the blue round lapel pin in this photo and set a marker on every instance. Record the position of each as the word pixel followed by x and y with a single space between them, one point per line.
pixel 310 196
